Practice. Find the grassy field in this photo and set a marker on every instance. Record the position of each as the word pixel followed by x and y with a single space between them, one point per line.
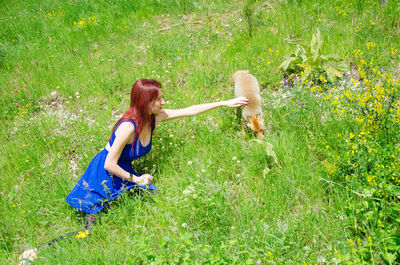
pixel 66 70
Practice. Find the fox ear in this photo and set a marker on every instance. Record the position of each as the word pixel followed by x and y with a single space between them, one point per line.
pixel 251 126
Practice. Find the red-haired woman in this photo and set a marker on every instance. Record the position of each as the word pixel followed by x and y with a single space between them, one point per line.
pixel 110 173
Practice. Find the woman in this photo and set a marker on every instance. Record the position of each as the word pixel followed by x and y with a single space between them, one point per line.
pixel 110 173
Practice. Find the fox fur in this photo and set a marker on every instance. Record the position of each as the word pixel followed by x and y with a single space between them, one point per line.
pixel 246 85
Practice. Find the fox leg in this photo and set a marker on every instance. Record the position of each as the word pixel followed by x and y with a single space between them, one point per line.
pixel 243 132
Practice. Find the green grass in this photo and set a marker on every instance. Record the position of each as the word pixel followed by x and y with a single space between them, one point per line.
pixel 216 203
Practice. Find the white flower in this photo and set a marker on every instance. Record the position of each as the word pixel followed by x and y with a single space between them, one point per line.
pixel 184 225
pixel 189 162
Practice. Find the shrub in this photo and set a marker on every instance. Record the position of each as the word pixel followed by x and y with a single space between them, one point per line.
pixel 310 64
pixel 366 158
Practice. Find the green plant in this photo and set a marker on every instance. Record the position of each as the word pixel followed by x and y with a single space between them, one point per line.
pixel 248 13
pixel 309 63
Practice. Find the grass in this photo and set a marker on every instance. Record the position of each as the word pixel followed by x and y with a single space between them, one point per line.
pixel 218 204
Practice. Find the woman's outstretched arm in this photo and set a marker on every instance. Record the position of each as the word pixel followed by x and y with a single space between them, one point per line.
pixel 169 114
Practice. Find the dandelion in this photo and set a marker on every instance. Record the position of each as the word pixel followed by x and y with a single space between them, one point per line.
pixel 82 234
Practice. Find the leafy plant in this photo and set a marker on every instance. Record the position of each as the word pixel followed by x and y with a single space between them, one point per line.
pixel 308 62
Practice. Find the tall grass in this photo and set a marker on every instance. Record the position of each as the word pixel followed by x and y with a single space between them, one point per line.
pixel 66 73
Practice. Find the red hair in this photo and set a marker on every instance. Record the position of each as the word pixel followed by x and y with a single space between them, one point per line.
pixel 143 92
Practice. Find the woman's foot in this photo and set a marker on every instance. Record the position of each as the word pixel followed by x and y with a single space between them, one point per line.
pixel 28 256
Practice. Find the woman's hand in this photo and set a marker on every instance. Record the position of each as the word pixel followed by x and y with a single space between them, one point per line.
pixel 144 179
pixel 236 102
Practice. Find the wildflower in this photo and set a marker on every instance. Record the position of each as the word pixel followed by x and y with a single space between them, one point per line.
pixel 259 262
pixel 184 225
pixel 190 162
pixel 371 45
pixel 82 234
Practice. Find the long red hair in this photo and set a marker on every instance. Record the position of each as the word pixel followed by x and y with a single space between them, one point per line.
pixel 142 93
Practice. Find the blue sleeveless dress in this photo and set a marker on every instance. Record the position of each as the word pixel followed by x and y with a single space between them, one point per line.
pixel 97 187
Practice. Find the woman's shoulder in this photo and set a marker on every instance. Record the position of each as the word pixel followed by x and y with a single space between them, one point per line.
pixel 126 127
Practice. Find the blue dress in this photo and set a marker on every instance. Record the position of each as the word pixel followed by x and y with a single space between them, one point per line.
pixel 97 187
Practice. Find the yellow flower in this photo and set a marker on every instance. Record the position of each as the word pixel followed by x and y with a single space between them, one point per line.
pixel 371 45
pixel 348 94
pixel 328 97
pixel 82 234
pixel 351 136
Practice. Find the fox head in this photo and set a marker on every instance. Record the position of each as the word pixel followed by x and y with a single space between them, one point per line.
pixel 256 124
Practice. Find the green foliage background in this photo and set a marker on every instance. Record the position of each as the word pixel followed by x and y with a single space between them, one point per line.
pixel 66 69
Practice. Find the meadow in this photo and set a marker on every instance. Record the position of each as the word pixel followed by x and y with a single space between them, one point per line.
pixel 332 197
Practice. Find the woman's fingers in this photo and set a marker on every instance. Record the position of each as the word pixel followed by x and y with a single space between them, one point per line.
pixel 240 101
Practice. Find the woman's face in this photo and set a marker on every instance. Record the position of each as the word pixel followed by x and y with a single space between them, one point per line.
pixel 155 106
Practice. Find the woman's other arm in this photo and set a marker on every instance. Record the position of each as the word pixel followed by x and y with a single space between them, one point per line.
pixel 123 135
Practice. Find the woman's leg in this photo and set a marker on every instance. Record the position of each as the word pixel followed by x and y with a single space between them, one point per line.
pixel 29 255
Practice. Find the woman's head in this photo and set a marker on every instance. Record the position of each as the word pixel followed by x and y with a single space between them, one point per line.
pixel 143 94
pixel 146 100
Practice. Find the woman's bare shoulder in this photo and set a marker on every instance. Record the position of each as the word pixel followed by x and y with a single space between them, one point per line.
pixel 125 128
